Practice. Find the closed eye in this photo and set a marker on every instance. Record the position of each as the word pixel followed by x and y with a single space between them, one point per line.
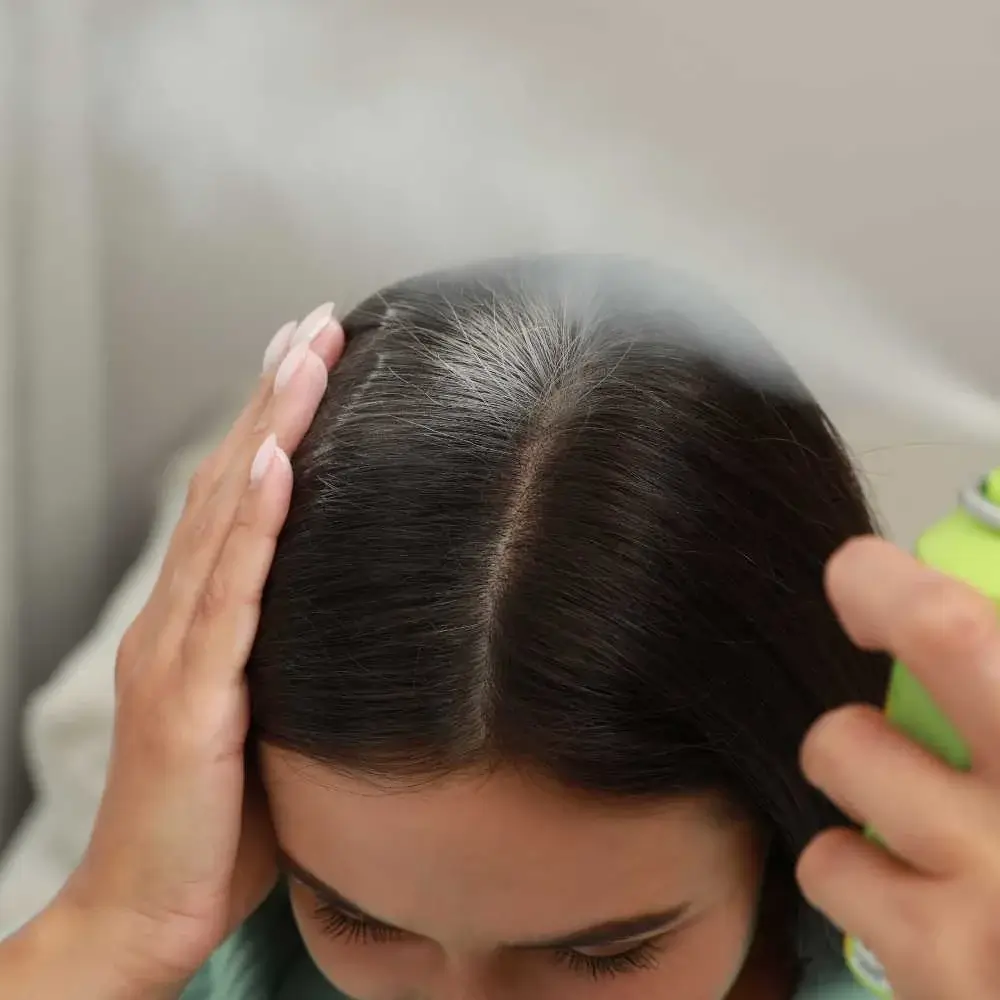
pixel 360 930
pixel 592 952
pixel 635 959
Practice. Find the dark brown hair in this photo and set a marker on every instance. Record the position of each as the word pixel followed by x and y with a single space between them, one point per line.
pixel 539 522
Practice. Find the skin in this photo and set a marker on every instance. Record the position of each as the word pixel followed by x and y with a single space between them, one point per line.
pixel 182 849
pixel 929 907
pixel 476 868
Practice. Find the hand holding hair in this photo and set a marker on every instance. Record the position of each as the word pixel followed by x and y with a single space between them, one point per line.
pixel 182 851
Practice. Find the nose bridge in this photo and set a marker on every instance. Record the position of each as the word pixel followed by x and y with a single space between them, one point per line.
pixel 466 985
pixel 466 978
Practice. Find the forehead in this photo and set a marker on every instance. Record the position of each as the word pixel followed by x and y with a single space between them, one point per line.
pixel 504 846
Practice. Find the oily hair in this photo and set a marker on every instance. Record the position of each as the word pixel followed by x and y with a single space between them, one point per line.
pixel 541 522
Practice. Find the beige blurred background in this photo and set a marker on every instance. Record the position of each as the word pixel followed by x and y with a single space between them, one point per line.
pixel 173 185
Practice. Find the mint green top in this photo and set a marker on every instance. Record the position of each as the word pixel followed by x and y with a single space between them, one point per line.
pixel 266 960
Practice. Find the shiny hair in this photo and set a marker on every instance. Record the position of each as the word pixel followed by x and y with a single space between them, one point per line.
pixel 541 522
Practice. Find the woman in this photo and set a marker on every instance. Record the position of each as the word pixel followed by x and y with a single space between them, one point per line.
pixel 540 641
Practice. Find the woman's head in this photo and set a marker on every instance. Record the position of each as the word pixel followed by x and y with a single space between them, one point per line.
pixel 543 634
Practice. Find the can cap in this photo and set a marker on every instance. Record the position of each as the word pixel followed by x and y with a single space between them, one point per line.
pixel 991 488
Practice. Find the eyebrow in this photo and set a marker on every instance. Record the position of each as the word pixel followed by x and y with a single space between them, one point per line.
pixel 601 935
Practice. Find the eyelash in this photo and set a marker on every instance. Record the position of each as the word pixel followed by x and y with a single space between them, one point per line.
pixel 338 924
pixel 643 956
pixel 637 959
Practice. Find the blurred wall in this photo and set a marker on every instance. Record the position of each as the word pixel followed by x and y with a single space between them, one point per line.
pixel 8 600
pixel 54 473
pixel 864 136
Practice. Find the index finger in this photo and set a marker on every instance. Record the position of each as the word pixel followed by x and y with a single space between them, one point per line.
pixel 219 482
pixel 250 417
pixel 945 632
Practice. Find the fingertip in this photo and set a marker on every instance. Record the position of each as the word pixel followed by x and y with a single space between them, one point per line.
pixel 848 559
pixel 329 343
pixel 835 737
pixel 817 745
pixel 863 580
pixel 818 863
pixel 318 374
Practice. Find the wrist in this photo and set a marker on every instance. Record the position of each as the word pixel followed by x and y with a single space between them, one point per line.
pixel 72 952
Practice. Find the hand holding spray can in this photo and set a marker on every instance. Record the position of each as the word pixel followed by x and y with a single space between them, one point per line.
pixel 964 545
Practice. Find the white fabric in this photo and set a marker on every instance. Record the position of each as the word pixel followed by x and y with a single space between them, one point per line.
pixel 68 729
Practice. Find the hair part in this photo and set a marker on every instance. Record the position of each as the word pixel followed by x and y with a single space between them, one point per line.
pixel 538 523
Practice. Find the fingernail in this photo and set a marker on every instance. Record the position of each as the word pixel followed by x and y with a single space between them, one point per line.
pixel 312 324
pixel 291 364
pixel 278 346
pixel 263 459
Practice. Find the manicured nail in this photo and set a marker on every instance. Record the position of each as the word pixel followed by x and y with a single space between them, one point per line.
pixel 291 364
pixel 312 324
pixel 278 346
pixel 263 459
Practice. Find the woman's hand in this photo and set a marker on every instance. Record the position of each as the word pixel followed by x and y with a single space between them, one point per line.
pixel 930 909
pixel 182 849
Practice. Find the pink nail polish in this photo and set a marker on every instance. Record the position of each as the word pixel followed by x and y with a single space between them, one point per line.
pixel 291 364
pixel 278 346
pixel 263 459
pixel 312 324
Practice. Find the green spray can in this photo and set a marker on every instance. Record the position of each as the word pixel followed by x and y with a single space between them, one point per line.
pixel 964 545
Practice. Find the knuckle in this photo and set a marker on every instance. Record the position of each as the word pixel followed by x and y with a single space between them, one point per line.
pixel 215 597
pixel 244 520
pixel 262 425
pixel 200 486
pixel 949 618
pixel 200 525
